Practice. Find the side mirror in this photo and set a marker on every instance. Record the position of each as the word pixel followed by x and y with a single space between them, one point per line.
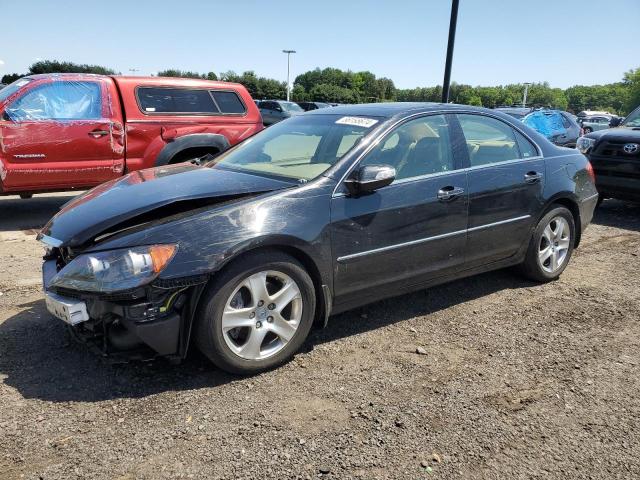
pixel 615 121
pixel 369 178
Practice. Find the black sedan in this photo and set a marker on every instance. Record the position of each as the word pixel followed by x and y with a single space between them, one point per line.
pixel 319 214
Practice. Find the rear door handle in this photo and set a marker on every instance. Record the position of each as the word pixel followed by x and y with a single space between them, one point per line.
pixel 532 177
pixel 98 133
pixel 446 194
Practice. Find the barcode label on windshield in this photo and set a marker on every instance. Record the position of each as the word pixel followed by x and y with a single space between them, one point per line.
pixel 357 121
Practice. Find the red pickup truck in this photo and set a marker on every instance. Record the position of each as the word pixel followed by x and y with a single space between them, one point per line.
pixel 73 131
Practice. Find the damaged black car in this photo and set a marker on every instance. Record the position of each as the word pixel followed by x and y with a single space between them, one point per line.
pixel 316 215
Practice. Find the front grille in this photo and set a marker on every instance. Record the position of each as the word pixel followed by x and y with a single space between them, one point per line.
pixel 614 148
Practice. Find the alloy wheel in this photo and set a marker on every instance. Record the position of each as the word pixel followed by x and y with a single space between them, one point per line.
pixel 262 315
pixel 554 244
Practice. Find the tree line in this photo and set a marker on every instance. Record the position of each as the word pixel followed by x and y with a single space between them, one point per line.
pixel 340 86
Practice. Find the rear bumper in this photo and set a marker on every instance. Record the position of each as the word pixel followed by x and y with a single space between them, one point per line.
pixel 587 207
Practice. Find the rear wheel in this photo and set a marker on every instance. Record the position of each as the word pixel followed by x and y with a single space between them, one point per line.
pixel 26 196
pixel 551 246
pixel 256 314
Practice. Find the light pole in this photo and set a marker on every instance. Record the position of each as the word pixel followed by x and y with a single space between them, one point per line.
pixel 453 21
pixel 526 91
pixel 288 52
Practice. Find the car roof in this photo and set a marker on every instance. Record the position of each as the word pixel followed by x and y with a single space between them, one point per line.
pixel 393 109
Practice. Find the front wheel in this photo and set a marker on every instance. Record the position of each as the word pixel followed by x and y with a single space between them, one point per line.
pixel 551 246
pixel 256 314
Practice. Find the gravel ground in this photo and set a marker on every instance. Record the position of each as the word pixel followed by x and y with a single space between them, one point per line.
pixel 514 380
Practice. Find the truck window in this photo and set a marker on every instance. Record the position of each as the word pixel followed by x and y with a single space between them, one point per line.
pixel 59 100
pixel 228 102
pixel 175 101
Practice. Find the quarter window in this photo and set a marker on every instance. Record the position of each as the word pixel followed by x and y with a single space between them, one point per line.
pixel 228 102
pixel 418 147
pixel 488 140
pixel 58 100
pixel 527 150
pixel 175 100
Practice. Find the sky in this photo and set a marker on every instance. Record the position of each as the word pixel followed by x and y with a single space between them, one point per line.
pixel 564 42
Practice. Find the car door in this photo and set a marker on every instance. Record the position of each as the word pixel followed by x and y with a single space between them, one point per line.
pixel 58 134
pixel 506 179
pixel 266 110
pixel 411 230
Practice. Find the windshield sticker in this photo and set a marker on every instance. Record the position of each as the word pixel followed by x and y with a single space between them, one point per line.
pixel 150 109
pixel 357 121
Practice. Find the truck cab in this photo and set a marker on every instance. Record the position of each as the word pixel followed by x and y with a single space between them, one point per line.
pixel 75 131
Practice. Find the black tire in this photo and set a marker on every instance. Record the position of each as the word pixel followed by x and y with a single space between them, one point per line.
pixel 531 267
pixel 208 329
pixel 26 196
pixel 600 200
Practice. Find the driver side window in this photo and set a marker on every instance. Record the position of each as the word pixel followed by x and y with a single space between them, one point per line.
pixel 59 100
pixel 415 148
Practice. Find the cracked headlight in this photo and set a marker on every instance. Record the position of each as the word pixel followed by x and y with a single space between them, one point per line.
pixel 115 270
pixel 585 144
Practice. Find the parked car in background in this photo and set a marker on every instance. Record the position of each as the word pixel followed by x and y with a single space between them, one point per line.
pixel 74 131
pixel 593 123
pixel 615 156
pixel 591 113
pixel 307 106
pixel 274 111
pixel 557 126
pixel 313 216
pixel 515 112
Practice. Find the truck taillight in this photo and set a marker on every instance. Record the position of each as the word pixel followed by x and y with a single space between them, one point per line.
pixel 590 171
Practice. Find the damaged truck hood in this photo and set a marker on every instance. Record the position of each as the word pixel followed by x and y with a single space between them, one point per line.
pixel 148 195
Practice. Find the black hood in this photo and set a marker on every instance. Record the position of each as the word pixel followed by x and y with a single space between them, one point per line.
pixel 619 134
pixel 148 192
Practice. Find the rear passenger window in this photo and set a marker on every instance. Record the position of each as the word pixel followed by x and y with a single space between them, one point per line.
pixel 527 150
pixel 228 102
pixel 488 140
pixel 175 100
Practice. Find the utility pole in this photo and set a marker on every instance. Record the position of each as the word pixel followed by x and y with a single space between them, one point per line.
pixel 526 91
pixel 452 38
pixel 288 52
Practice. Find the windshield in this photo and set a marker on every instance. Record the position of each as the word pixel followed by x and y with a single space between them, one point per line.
pixel 12 88
pixel 291 107
pixel 301 148
pixel 633 120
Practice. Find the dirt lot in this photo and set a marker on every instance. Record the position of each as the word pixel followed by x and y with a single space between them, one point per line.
pixel 518 381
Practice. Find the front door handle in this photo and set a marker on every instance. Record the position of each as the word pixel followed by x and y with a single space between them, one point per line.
pixel 98 133
pixel 532 177
pixel 446 194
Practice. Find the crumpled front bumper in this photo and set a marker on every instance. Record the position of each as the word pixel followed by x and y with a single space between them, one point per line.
pixel 143 324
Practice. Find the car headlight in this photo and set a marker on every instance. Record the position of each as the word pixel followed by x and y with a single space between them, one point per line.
pixel 115 270
pixel 584 144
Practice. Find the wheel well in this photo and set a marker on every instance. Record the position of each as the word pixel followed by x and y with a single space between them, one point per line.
pixel 309 265
pixel 194 152
pixel 575 211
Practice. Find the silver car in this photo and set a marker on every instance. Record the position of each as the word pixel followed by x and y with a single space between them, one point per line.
pixel 591 124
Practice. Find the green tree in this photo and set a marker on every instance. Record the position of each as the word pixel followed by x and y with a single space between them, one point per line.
pixel 10 78
pixel 187 74
pixel 54 66
pixel 632 83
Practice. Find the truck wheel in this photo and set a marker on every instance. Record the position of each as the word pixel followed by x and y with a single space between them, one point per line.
pixel 256 314
pixel 26 196
pixel 551 246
